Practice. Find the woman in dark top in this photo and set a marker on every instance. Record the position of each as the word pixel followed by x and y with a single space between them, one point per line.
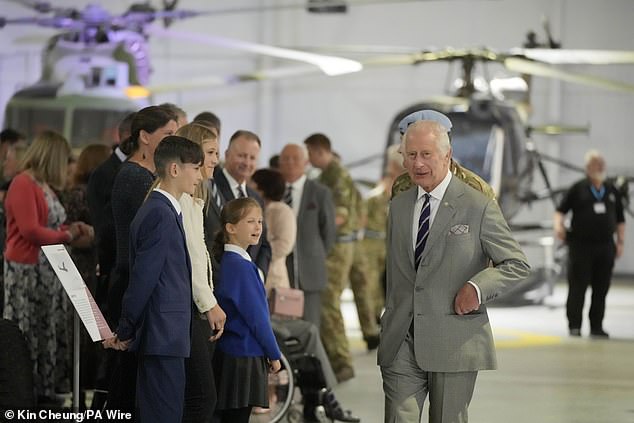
pixel 149 126
pixel 74 201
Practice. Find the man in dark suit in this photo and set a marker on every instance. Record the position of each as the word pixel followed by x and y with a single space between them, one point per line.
pixel 99 191
pixel 316 229
pixel 157 305
pixel 435 332
pixel 241 159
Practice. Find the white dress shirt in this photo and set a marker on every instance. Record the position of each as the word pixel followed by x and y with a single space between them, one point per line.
pixel 234 185
pixel 297 192
pixel 170 197
pixel 435 197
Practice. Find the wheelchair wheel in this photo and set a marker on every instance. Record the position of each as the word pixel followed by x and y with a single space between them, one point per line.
pixel 281 388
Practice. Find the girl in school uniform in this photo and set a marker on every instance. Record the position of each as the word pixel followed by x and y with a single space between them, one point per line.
pixel 247 350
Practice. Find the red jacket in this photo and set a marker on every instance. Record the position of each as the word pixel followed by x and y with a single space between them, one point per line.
pixel 27 215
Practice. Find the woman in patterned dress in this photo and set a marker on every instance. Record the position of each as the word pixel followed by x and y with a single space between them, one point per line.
pixel 34 299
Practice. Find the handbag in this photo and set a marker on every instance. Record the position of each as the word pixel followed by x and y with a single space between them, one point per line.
pixel 286 303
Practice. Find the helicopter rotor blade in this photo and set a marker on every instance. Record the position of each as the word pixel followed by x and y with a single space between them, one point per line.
pixel 38 6
pixel 219 81
pixel 578 57
pixel 330 65
pixel 558 129
pixel 540 69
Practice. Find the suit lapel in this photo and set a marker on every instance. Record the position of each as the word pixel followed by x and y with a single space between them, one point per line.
pixel 302 202
pixel 223 184
pixel 179 222
pixel 406 216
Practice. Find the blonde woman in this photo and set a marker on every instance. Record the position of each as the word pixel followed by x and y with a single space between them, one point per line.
pixel 34 299
pixel 208 324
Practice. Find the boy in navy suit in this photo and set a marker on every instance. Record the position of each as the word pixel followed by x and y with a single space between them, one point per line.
pixel 156 309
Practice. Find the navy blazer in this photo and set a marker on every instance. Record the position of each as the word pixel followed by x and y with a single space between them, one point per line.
pixel 156 309
pixel 260 253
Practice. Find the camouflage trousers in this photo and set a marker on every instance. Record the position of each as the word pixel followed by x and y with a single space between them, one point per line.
pixel 374 250
pixel 364 285
pixel 333 332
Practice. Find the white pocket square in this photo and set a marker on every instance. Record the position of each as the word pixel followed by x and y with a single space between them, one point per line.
pixel 459 229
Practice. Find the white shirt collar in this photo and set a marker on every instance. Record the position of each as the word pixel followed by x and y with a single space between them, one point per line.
pixel 173 200
pixel 238 250
pixel 439 192
pixel 298 185
pixel 120 154
pixel 233 184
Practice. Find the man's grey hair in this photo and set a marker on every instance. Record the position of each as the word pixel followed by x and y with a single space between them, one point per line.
pixel 440 132
pixel 592 155
pixel 302 147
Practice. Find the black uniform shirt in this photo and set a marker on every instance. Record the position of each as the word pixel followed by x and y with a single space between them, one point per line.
pixel 594 216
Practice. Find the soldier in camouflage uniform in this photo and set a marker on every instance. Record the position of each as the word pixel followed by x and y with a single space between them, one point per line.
pixel 363 278
pixel 373 242
pixel 339 260
pixel 403 182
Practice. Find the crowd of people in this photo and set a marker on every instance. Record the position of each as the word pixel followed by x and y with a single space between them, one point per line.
pixel 181 254
pixel 108 207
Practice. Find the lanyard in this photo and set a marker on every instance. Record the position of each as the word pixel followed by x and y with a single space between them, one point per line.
pixel 598 194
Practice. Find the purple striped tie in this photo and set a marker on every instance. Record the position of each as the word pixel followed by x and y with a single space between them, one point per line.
pixel 423 231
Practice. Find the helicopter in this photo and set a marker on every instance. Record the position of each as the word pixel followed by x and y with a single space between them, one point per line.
pixel 97 70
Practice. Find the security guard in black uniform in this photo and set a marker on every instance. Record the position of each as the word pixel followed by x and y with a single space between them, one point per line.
pixel 597 214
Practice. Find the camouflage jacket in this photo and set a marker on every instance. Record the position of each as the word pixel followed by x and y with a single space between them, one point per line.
pixel 403 182
pixel 340 183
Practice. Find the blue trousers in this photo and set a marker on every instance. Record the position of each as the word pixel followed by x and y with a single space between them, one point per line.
pixel 160 389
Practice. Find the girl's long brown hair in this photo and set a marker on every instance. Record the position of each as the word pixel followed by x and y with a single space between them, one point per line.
pixel 233 212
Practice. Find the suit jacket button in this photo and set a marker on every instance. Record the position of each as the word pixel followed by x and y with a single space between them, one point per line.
pixel 419 288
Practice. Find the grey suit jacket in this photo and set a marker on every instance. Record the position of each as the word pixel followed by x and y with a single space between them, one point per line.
pixel 316 234
pixel 443 340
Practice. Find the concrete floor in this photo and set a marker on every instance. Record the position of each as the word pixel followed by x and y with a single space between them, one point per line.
pixel 544 376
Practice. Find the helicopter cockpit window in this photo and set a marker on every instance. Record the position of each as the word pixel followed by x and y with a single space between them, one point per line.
pixel 95 126
pixel 471 144
pixel 33 120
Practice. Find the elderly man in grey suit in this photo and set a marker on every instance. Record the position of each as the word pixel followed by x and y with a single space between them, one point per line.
pixel 316 230
pixel 435 332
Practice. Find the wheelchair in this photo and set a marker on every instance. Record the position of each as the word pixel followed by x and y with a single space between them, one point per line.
pixel 299 381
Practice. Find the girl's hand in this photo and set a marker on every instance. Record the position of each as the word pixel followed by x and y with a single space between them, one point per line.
pixel 274 366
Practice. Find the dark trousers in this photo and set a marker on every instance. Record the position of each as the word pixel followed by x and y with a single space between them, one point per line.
pixel 588 264
pixel 200 388
pixel 160 389
pixel 123 379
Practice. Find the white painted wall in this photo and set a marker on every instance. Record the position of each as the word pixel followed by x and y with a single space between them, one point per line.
pixel 355 110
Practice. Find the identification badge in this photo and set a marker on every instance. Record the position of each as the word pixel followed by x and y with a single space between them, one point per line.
pixel 599 208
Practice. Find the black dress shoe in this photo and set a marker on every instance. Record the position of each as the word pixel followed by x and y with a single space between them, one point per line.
pixel 575 332
pixel 599 333
pixel 334 410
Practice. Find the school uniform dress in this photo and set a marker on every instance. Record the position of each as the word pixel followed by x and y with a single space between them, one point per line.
pixel 240 361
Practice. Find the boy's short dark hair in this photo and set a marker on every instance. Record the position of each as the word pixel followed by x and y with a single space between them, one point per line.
pixel 319 141
pixel 176 149
pixel 10 136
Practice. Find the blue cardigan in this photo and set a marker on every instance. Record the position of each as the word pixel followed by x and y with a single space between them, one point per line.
pixel 240 292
